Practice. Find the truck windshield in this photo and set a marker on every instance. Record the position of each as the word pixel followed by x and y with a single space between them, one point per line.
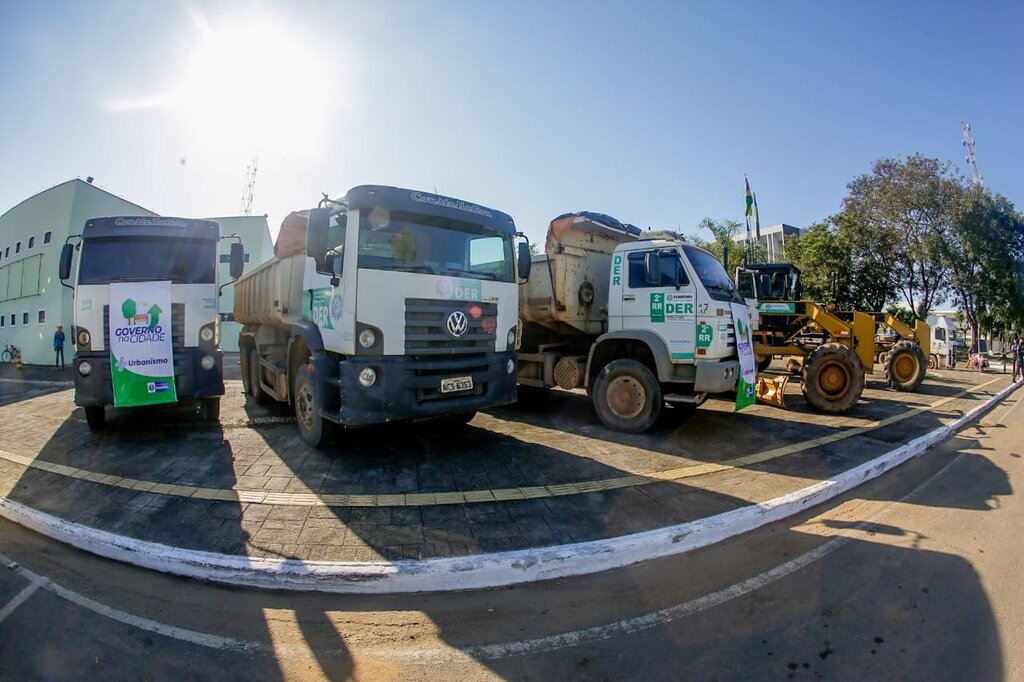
pixel 394 240
pixel 144 259
pixel 712 275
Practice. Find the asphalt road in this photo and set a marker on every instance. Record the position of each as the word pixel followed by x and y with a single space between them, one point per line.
pixel 912 576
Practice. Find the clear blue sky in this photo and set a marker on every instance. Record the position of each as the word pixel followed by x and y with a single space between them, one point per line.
pixel 649 111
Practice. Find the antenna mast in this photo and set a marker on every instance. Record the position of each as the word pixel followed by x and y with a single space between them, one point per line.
pixel 250 186
pixel 971 159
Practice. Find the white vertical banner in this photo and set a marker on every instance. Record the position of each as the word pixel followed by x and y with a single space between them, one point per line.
pixel 141 349
pixel 745 387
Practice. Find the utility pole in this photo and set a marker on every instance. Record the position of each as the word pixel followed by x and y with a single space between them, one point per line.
pixel 250 186
pixel 971 159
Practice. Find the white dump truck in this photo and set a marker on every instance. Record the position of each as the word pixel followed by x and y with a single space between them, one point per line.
pixel 636 318
pixel 147 326
pixel 384 305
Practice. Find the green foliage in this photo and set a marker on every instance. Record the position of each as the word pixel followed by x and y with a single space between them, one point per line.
pixel 899 216
pixel 723 233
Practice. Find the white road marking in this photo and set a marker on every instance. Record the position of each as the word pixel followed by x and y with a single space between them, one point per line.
pixel 19 599
pixel 491 651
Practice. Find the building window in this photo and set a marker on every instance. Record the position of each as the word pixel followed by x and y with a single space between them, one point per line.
pixel 24 318
pixel 13 319
pixel 47 237
pixel 41 317
pixel 3 320
pixel 31 242
pixel 7 252
pixel 17 248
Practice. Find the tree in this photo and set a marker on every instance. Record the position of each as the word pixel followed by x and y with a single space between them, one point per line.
pixel 835 269
pixel 984 251
pixel 723 233
pixel 899 216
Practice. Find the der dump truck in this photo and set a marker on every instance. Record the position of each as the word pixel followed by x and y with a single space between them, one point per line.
pixel 384 305
pixel 636 318
pixel 146 319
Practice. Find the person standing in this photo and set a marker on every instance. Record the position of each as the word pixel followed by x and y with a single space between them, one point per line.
pixel 951 353
pixel 1017 351
pixel 58 347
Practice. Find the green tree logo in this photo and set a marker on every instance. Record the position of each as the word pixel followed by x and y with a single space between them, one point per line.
pixel 128 309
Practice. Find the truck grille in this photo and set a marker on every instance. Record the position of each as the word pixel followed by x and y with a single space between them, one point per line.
pixel 435 354
pixel 177 325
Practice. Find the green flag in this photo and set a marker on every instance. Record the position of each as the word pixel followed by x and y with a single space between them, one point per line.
pixel 749 197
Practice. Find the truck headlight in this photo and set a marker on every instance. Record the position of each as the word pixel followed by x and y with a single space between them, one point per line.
pixel 84 337
pixel 206 334
pixel 367 338
pixel 512 337
pixel 84 367
pixel 511 366
pixel 367 377
pixel 207 362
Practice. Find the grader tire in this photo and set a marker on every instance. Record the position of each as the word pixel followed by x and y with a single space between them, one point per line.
pixel 905 366
pixel 763 363
pixel 832 378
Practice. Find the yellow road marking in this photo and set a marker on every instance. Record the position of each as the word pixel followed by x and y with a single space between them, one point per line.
pixel 471 496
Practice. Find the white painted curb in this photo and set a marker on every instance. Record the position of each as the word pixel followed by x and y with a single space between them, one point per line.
pixel 481 570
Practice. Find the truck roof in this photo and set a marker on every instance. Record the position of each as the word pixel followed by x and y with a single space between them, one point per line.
pixel 156 226
pixel 417 201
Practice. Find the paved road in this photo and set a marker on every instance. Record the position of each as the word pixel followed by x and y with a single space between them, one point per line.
pixel 914 576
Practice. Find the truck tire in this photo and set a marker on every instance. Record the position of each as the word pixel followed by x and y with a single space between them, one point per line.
pixel 314 429
pixel 243 369
pixel 832 378
pixel 627 396
pixel 905 366
pixel 255 388
pixel 95 416
pixel 209 408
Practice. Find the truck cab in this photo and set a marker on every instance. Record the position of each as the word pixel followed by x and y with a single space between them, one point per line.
pixel 146 320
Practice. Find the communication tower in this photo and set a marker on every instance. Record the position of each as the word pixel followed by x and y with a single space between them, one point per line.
pixel 250 186
pixel 971 159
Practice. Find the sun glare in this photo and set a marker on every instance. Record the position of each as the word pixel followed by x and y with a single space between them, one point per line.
pixel 252 85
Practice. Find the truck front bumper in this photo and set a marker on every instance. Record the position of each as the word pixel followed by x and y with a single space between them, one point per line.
pixel 717 376
pixel 191 381
pixel 408 388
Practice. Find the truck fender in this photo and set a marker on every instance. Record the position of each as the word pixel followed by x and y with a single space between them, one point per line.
pixel 306 333
pixel 652 341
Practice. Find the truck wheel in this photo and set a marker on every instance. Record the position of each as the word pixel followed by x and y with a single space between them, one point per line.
pixel 627 396
pixel 209 408
pixel 905 366
pixel 933 361
pixel 314 429
pixel 833 378
pixel 764 363
pixel 255 388
pixel 95 416
pixel 243 369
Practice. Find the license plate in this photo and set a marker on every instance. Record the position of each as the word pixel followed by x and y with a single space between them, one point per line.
pixel 456 384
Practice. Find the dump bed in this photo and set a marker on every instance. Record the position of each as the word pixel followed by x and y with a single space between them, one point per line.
pixel 272 293
pixel 568 287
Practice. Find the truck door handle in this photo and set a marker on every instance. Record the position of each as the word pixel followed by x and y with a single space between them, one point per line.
pixel 629 298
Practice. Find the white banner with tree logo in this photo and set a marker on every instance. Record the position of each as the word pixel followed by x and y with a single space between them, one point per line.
pixel 141 351
pixel 745 386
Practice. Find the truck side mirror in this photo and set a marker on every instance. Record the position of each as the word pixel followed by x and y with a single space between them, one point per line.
pixel 525 261
pixel 237 260
pixel 66 255
pixel 316 233
pixel 652 268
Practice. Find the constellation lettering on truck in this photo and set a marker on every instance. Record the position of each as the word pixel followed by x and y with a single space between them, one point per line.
pixel 450 203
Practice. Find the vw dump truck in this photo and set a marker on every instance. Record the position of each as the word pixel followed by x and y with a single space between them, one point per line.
pixel 146 320
pixel 636 318
pixel 384 305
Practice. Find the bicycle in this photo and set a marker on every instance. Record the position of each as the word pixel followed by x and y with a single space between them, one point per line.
pixel 10 354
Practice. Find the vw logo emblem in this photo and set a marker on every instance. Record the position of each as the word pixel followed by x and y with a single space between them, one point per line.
pixel 458 323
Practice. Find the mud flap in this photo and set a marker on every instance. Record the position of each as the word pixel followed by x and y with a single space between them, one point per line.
pixel 772 390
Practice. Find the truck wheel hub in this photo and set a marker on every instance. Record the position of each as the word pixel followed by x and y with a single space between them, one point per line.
pixel 833 380
pixel 626 397
pixel 304 406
